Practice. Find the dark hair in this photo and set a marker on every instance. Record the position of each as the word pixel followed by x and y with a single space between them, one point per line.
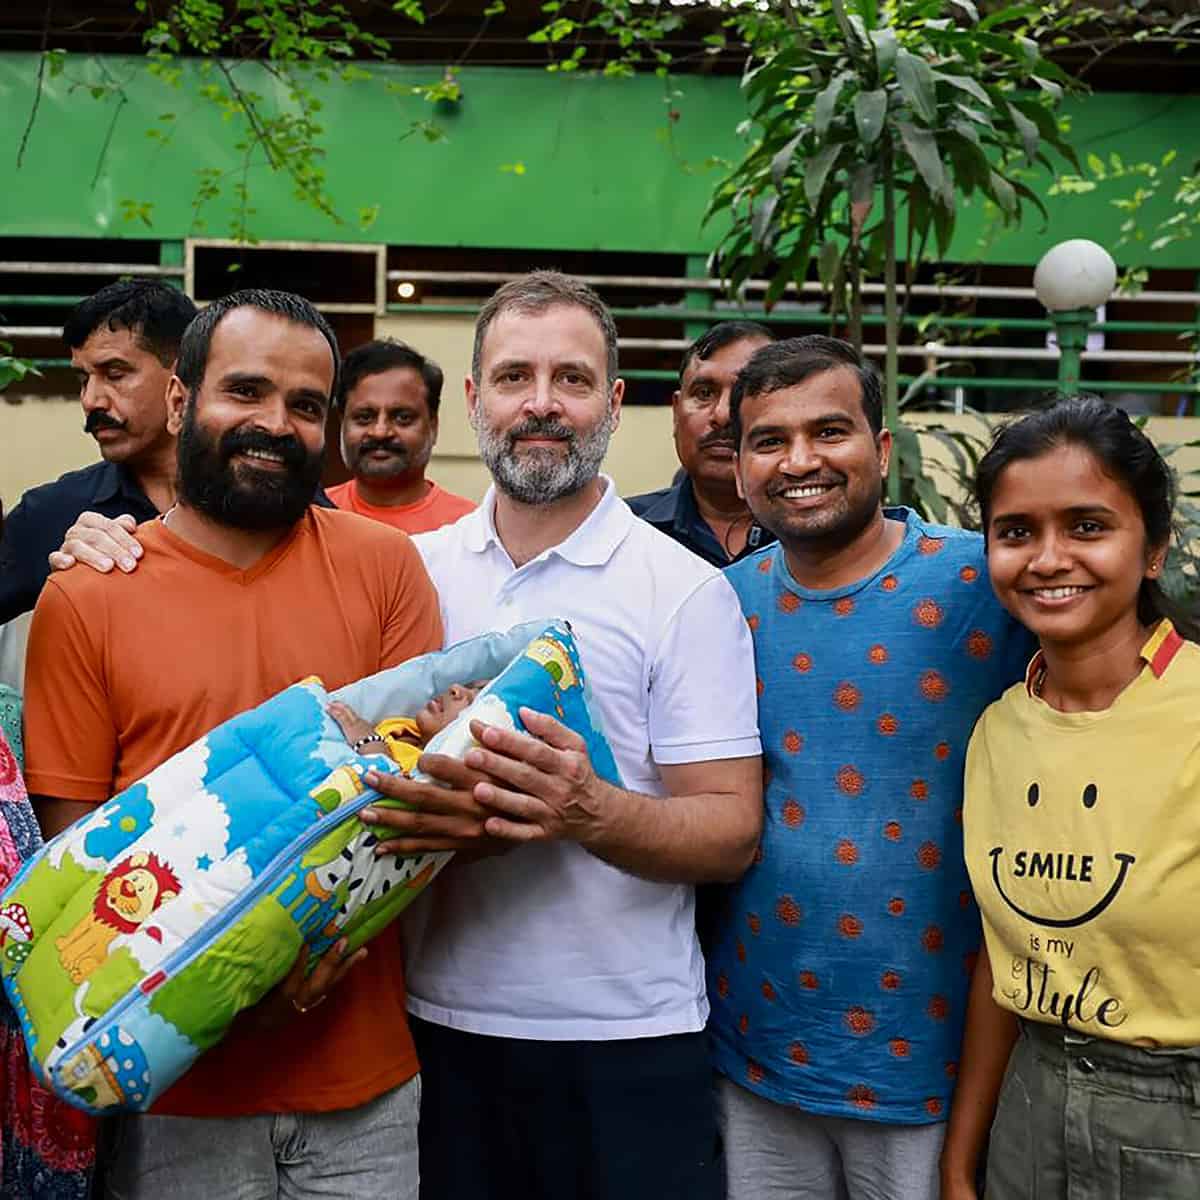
pixel 155 313
pixel 719 336
pixel 386 355
pixel 193 350
pixel 1123 452
pixel 535 293
pixel 785 363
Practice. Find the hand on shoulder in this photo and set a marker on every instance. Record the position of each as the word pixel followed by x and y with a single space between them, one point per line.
pixel 99 542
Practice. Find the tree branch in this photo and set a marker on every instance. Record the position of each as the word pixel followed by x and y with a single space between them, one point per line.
pixel 37 95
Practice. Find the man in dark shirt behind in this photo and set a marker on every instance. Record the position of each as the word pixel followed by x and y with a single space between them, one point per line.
pixel 123 342
pixel 702 509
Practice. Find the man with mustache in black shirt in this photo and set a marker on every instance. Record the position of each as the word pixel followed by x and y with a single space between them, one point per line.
pixel 702 509
pixel 123 342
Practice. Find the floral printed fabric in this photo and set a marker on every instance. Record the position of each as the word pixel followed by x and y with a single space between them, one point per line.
pixel 839 971
pixel 47 1148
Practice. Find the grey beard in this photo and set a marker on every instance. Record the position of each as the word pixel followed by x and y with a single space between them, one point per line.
pixel 543 476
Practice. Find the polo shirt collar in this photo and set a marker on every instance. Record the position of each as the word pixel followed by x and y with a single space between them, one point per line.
pixel 669 508
pixel 592 544
pixel 115 479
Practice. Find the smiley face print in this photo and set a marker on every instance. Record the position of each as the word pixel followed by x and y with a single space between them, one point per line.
pixel 1073 870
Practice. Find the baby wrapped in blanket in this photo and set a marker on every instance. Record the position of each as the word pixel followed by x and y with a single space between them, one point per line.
pixel 404 738
pixel 132 941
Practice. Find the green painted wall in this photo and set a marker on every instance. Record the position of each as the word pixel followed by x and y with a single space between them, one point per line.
pixel 600 171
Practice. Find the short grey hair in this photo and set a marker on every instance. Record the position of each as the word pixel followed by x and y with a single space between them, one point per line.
pixel 536 292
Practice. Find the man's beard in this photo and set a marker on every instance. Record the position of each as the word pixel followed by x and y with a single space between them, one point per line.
pixel 242 496
pixel 833 526
pixel 544 474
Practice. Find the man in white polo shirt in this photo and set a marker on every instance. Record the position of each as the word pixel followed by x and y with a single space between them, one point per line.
pixel 558 990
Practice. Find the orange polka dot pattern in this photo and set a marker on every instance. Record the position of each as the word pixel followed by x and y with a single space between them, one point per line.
pixel 838 973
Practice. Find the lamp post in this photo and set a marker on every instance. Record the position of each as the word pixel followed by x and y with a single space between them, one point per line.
pixel 1072 280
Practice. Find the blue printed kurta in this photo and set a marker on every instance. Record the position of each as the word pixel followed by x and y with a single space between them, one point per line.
pixel 840 965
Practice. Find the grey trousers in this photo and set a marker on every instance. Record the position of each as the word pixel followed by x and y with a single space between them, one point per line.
pixel 773 1152
pixel 1087 1119
pixel 367 1153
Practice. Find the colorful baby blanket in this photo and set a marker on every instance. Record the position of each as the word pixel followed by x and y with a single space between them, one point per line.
pixel 131 941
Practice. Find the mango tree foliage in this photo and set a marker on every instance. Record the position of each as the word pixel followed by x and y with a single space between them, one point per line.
pixel 871 125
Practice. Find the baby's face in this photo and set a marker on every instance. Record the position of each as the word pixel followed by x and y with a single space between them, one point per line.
pixel 441 710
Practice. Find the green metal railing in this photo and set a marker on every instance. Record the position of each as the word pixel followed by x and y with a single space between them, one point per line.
pixel 696 304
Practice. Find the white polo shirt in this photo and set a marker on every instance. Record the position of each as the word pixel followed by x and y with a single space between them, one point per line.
pixel 548 941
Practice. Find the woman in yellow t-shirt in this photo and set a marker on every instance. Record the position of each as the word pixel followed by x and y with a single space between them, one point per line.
pixel 1082 833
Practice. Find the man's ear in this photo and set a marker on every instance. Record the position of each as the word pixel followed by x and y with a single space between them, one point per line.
pixel 737 474
pixel 615 399
pixel 883 444
pixel 472 401
pixel 177 398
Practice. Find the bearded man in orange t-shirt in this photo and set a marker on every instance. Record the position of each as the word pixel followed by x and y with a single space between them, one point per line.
pixel 389 395
pixel 248 589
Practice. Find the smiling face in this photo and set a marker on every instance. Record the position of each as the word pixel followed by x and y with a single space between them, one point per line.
pixel 1073 877
pixel 1066 547
pixel 123 391
pixel 252 438
pixel 542 408
pixel 703 437
pixel 809 466
pixel 387 430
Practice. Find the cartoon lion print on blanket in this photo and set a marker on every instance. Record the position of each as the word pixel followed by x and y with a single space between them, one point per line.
pixel 128 896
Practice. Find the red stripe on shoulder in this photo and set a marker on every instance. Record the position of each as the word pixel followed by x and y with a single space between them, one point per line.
pixel 1167 649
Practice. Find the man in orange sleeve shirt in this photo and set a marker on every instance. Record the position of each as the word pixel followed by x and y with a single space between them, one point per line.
pixel 247 590
pixel 390 396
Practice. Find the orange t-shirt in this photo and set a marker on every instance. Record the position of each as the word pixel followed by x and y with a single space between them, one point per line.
pixel 125 670
pixel 436 508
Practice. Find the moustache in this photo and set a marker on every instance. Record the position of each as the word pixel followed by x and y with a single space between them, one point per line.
pixel 822 481
pixel 289 448
pixel 370 445
pixel 98 419
pixel 718 437
pixel 540 427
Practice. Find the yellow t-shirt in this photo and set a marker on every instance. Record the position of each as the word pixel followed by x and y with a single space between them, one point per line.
pixel 1082 836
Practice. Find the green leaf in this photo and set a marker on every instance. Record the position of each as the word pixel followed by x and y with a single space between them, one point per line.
pixel 851 29
pixel 964 83
pixel 884 41
pixel 1030 137
pixel 816 172
pixel 783 159
pixel 870 109
pixel 760 218
pixel 943 227
pixel 411 9
pixel 932 501
pixel 827 263
pixel 792 269
pixel 917 84
pixel 923 150
pixel 1052 89
pixel 827 102
pixel 1003 193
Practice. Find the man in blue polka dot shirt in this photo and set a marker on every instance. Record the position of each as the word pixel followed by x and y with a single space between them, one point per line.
pixel 839 965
